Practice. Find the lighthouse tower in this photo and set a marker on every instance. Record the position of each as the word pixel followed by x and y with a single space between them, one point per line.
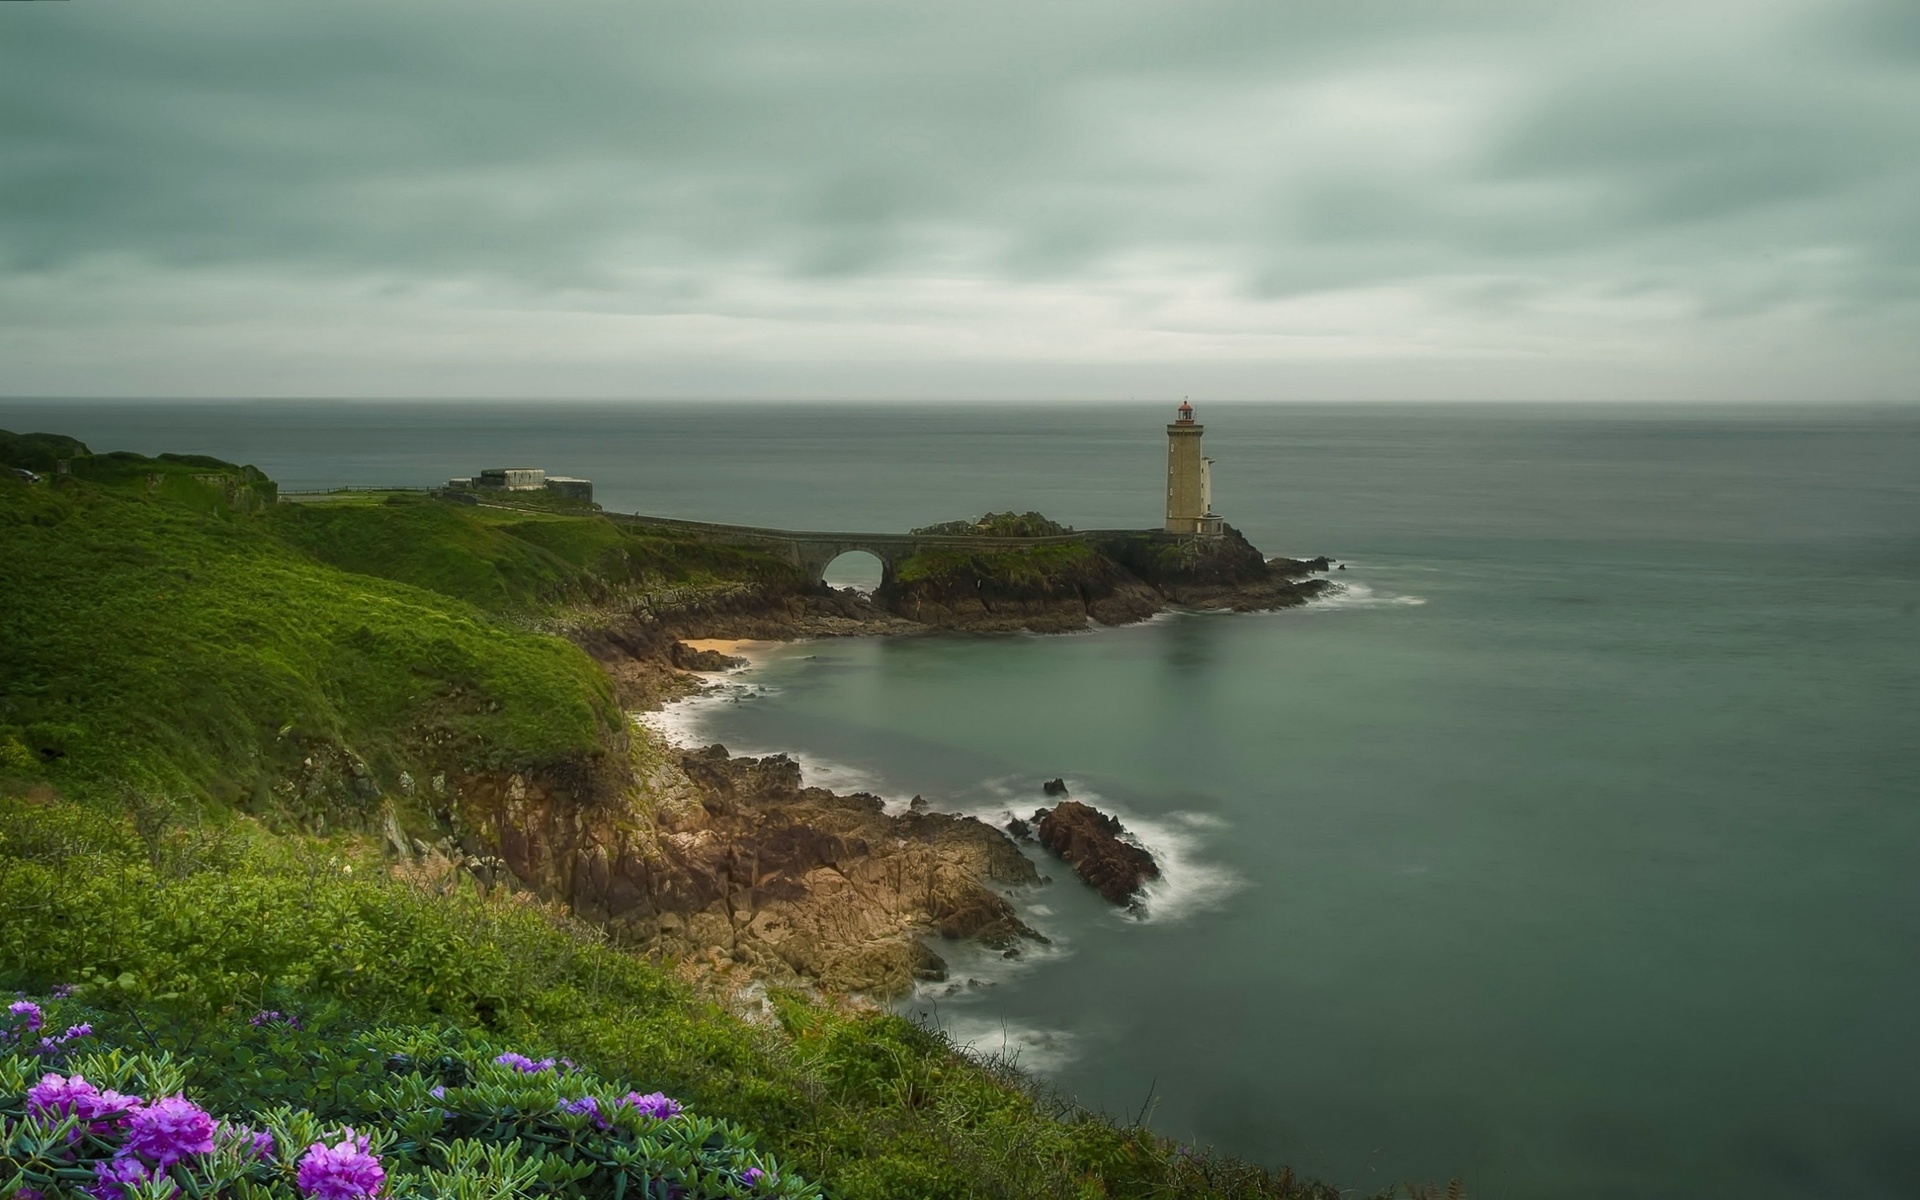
pixel 1189 478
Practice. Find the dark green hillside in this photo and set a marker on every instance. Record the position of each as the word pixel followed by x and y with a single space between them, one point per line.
pixel 511 559
pixel 1020 567
pixel 172 640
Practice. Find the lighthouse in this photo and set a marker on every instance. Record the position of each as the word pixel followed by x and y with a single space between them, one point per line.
pixel 1189 478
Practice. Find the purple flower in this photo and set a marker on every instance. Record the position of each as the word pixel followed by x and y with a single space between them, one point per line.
pixel 254 1143
pixel 753 1176
pixel 438 1091
pixel 60 1096
pixel 657 1105
pixel 29 1010
pixel 523 1064
pixel 588 1105
pixel 111 1178
pixel 344 1171
pixel 168 1130
pixel 64 990
pixel 273 1016
pixel 53 1044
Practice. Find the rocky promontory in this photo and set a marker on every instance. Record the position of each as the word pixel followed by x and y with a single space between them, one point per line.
pixel 1094 844
pixel 1117 578
pixel 735 855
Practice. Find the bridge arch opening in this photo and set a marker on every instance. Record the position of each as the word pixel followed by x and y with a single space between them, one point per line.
pixel 860 570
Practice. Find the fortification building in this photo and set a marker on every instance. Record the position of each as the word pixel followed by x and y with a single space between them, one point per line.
pixel 1189 479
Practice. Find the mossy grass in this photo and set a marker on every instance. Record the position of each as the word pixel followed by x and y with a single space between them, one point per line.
pixel 189 647
pixel 513 560
pixel 1000 524
pixel 865 1103
pixel 1016 567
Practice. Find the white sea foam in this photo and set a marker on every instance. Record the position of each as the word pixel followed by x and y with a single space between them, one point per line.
pixel 816 771
pixel 1188 883
pixel 1359 595
pixel 680 722
pixel 1030 1047
pixel 1200 820
pixel 684 723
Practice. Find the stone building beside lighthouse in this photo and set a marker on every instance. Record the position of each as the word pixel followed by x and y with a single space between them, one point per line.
pixel 1189 479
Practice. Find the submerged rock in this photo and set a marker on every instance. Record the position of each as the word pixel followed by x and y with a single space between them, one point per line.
pixel 1092 843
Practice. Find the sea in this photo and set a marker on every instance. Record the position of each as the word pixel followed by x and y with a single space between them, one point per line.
pixel 1571 847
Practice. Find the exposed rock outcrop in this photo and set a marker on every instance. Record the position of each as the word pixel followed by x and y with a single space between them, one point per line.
pixel 1223 572
pixel 797 883
pixel 1094 845
pixel 1112 579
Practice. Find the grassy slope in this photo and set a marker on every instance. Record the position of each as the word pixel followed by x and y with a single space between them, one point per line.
pixel 152 633
pixel 148 641
pixel 867 1104
pixel 522 561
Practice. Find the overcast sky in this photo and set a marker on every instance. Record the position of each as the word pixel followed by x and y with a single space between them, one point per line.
pixel 1280 199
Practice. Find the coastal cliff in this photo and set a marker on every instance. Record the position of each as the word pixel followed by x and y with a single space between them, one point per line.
pixel 332 756
pixel 734 859
pixel 457 675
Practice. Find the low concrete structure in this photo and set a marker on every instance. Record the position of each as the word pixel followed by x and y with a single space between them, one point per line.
pixel 511 479
pixel 525 479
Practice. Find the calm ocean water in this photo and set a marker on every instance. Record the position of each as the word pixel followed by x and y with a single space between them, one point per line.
pixel 1572 850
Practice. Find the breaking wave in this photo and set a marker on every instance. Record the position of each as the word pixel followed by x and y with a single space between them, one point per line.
pixel 1360 595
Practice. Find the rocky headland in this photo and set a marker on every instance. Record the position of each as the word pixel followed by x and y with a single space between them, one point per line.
pixel 1106 579
pixel 733 859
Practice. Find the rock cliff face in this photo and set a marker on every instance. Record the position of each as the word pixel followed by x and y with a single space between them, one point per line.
pixel 1092 843
pixel 1223 572
pixel 796 883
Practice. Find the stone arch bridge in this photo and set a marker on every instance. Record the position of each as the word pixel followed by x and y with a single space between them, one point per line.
pixel 811 552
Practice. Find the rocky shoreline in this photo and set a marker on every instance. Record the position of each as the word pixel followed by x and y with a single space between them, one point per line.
pixel 735 860
pixel 734 864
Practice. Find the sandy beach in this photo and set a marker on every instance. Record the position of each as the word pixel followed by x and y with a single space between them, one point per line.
pixel 754 651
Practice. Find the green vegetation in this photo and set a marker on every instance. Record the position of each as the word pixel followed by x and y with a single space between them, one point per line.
pixel 187 647
pixel 512 560
pixel 1038 567
pixel 270 1106
pixel 1006 524
pixel 165 630
pixel 164 624
pixel 866 1104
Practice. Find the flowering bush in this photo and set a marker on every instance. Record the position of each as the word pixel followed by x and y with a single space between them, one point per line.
pixel 20 1032
pixel 408 1112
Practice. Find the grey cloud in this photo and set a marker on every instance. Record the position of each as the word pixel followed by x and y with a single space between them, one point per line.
pixel 828 163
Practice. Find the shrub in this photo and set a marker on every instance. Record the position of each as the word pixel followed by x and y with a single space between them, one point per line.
pixel 397 1111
